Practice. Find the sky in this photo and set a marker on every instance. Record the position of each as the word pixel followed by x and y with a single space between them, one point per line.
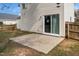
pixel 13 8
pixel 76 5
pixel 10 8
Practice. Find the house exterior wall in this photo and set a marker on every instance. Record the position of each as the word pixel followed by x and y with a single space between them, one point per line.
pixel 26 21
pixel 69 12
pixel 33 15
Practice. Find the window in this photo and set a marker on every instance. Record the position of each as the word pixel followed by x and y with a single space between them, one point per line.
pixel 23 6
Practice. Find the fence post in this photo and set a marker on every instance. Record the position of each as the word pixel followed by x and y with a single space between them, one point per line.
pixel 68 30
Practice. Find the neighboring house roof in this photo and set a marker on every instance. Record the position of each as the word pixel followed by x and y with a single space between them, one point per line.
pixel 8 17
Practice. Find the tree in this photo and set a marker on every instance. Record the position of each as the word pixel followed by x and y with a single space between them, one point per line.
pixel 1 23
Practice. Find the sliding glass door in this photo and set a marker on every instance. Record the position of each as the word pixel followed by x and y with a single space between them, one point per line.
pixel 51 24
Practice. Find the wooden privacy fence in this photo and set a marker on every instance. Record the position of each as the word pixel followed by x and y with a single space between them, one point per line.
pixel 72 30
pixel 8 28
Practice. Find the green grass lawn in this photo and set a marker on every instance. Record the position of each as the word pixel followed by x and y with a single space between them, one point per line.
pixel 68 47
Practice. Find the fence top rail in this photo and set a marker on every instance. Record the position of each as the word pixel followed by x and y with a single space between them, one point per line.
pixel 72 23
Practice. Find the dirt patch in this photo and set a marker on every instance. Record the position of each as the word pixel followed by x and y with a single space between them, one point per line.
pixel 67 43
pixel 15 49
pixel 68 47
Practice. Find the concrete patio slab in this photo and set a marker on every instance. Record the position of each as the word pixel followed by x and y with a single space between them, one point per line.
pixel 39 42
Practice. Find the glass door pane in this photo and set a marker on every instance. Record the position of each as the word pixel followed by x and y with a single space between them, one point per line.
pixel 55 24
pixel 47 24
